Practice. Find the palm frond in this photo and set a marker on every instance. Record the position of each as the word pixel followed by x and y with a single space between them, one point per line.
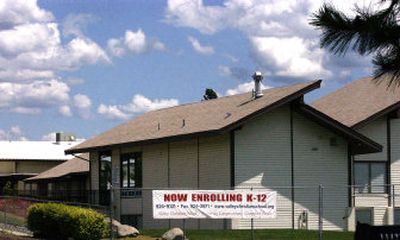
pixel 386 66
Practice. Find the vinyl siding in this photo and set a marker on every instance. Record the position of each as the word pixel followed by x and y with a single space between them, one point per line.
pixel 376 130
pixel 94 170
pixel 262 159
pixel 207 157
pixel 378 202
pixel 395 156
pixel 316 162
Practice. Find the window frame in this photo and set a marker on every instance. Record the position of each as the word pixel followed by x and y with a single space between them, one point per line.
pixel 369 186
pixel 136 156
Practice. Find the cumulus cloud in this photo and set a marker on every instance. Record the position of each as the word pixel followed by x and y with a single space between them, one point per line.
pixel 14 12
pixel 135 42
pixel 243 88
pixel 206 50
pixel 138 104
pixel 282 43
pixel 14 133
pixel 32 97
pixel 30 67
pixel 83 104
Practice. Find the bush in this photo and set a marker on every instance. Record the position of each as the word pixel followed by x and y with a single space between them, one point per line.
pixel 59 221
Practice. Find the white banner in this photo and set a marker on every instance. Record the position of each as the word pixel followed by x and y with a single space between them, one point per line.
pixel 180 204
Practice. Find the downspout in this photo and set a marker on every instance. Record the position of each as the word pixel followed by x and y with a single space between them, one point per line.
pixel 350 176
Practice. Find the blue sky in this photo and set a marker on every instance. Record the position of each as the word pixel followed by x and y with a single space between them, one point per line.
pixel 86 66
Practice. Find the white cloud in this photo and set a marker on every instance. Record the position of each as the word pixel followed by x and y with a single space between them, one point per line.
pixel 14 12
pixel 243 88
pixel 112 112
pixel 207 50
pixel 15 133
pixel 133 42
pixel 32 97
pixel 115 47
pixel 32 56
pixel 270 26
pixel 49 137
pixel 75 24
pixel 83 104
pixel 138 104
pixel 65 110
pixel 293 57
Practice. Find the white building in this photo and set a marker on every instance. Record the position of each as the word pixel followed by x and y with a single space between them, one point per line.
pixel 275 142
pixel 373 110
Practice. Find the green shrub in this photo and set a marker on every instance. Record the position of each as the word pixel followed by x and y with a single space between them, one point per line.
pixel 58 221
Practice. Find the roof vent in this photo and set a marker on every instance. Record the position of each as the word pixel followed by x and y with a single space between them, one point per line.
pixel 65 137
pixel 257 76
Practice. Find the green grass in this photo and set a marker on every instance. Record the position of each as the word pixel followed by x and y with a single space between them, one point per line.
pixel 12 219
pixel 265 234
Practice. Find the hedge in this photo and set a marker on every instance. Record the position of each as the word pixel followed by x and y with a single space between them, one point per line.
pixel 59 221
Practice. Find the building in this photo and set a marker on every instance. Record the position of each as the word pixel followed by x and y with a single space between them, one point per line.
pixel 23 159
pixel 264 140
pixel 373 110
pixel 68 181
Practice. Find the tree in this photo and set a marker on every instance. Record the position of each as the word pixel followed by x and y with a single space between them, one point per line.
pixel 368 32
pixel 210 94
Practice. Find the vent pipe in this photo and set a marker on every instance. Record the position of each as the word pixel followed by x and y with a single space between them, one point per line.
pixel 257 76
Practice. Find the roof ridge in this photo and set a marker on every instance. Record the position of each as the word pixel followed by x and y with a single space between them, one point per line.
pixel 230 96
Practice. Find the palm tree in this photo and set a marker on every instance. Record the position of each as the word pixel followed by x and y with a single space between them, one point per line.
pixel 369 32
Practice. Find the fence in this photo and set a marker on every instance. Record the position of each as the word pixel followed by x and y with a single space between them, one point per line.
pixel 314 208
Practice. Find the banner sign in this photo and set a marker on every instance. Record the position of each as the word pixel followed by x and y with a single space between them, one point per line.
pixel 180 204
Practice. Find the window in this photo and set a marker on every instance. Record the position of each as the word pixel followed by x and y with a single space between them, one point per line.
pixel 105 171
pixel 370 177
pixel 104 177
pixel 131 170
pixel 364 215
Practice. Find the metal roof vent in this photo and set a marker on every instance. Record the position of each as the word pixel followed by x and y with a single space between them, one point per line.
pixel 258 77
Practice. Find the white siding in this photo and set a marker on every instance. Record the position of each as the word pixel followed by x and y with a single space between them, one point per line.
pixel 395 156
pixel 317 162
pixel 376 201
pixel 376 130
pixel 212 164
pixel 262 159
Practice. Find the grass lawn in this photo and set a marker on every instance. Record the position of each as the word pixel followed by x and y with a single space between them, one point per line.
pixel 270 234
pixel 12 219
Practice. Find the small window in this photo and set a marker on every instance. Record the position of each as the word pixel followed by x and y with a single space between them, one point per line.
pixel 131 170
pixel 364 215
pixel 397 216
pixel 370 177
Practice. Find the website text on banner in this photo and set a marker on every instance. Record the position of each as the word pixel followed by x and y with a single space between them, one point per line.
pixel 181 204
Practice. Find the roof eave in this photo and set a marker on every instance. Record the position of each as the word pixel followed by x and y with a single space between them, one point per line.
pixel 377 115
pixel 359 144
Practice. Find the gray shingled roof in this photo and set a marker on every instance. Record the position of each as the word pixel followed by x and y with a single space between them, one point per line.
pixel 73 166
pixel 211 117
pixel 199 117
pixel 359 101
